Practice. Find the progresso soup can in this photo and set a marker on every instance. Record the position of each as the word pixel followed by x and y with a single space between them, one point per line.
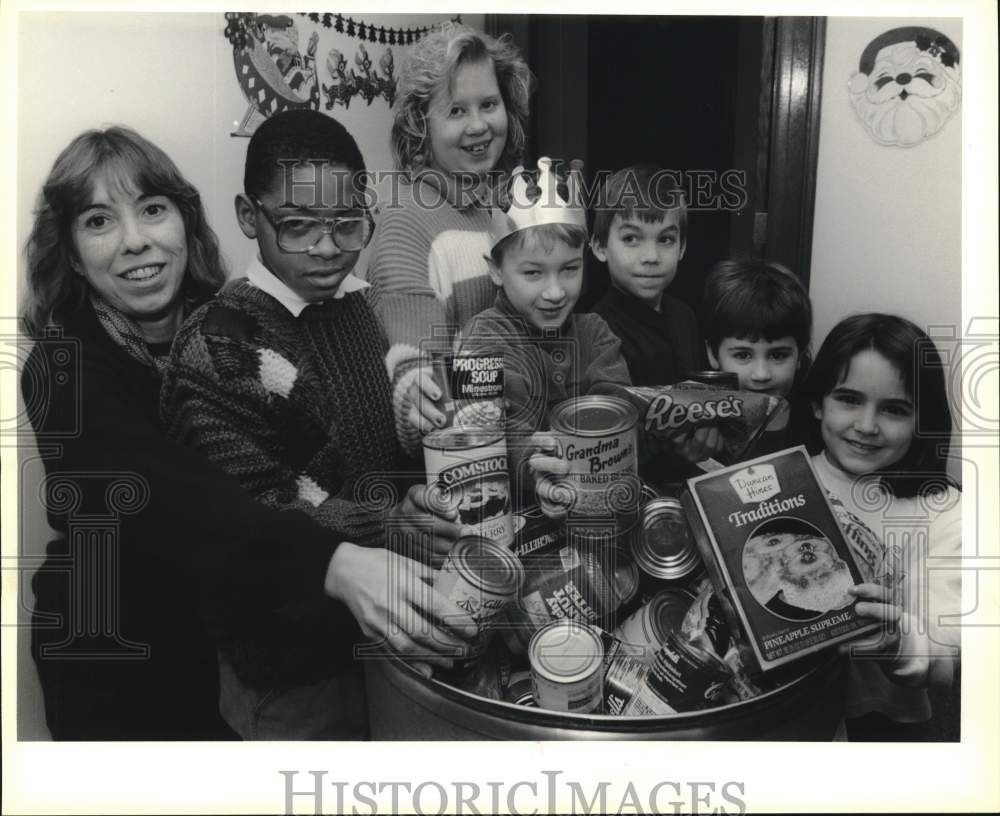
pixel 598 438
pixel 482 577
pixel 467 471
pixel 567 667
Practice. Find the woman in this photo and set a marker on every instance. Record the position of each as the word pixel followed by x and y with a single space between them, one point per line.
pixel 163 555
pixel 460 117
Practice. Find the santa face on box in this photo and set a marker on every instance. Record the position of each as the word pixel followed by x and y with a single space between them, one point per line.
pixel 907 85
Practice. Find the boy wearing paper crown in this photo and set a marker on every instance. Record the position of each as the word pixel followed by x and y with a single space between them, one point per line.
pixel 550 354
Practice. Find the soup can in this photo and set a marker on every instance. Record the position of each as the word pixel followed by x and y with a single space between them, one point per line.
pixel 467 471
pixel 482 577
pixel 573 583
pixel 519 689
pixel 682 677
pixel 722 379
pixel 567 667
pixel 477 387
pixel 648 628
pixel 664 547
pixel 623 679
pixel 598 439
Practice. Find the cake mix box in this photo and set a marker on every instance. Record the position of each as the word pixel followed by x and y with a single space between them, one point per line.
pixel 777 556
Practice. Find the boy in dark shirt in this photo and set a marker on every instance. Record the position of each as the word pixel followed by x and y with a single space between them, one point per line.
pixel 640 232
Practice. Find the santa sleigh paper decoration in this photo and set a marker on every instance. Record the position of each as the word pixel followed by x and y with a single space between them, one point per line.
pixel 272 73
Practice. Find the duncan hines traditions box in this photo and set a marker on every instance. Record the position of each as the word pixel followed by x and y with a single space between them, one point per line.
pixel 776 555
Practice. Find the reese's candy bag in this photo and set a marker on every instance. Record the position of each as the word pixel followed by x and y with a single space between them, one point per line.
pixel 668 410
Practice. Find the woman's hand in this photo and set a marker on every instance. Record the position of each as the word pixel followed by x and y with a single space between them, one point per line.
pixel 415 514
pixel 548 467
pixel 394 601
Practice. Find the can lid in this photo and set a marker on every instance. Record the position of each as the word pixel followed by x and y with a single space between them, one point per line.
pixel 726 379
pixel 593 415
pixel 565 651
pixel 626 579
pixel 485 563
pixel 664 547
pixel 667 609
pixel 462 438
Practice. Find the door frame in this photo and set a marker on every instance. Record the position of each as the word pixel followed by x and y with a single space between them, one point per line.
pixel 780 152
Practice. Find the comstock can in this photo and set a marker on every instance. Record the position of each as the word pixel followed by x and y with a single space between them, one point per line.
pixel 664 547
pixel 598 437
pixel 648 628
pixel 567 667
pixel 482 577
pixel 467 471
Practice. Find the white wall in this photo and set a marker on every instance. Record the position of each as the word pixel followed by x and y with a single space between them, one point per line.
pixel 888 223
pixel 171 77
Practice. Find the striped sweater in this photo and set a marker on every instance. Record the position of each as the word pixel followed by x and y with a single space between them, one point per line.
pixel 297 410
pixel 428 277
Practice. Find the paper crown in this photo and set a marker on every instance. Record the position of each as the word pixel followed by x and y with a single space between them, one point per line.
pixel 535 203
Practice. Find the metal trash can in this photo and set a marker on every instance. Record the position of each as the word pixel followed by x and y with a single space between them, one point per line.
pixel 405 705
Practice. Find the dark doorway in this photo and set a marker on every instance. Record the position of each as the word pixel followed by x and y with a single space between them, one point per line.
pixel 662 90
pixel 701 95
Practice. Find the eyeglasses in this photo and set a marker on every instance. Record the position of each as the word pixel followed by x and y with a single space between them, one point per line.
pixel 300 233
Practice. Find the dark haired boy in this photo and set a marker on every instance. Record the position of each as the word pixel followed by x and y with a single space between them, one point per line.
pixel 281 382
pixel 756 318
pixel 640 232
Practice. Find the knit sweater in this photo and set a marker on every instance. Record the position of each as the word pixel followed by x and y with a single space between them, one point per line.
pixel 660 347
pixel 297 409
pixel 428 276
pixel 928 533
pixel 194 553
pixel 542 369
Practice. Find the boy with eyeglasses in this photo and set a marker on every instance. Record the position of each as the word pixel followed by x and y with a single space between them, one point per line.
pixel 281 382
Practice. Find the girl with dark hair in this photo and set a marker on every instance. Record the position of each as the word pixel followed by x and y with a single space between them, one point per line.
pixel 877 392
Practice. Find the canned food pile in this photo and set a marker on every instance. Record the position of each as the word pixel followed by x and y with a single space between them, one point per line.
pixel 608 612
pixel 572 623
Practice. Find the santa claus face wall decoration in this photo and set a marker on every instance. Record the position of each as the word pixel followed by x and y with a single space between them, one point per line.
pixel 907 85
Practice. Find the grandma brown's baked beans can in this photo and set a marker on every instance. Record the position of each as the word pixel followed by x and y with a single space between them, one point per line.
pixel 647 629
pixel 467 471
pixel 664 547
pixel 598 439
pixel 482 577
pixel 567 667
